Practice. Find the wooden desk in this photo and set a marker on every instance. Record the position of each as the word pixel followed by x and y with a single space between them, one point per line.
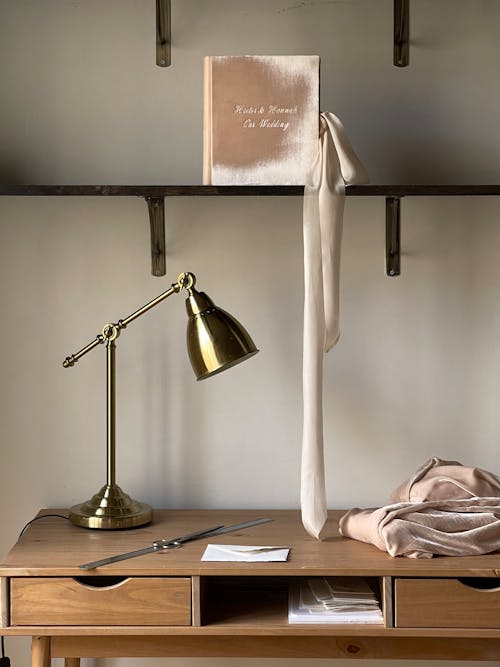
pixel 172 604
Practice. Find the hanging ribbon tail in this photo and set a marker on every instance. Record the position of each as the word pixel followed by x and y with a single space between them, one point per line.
pixel 336 165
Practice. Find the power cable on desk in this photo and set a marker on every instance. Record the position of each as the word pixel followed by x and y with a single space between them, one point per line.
pixel 37 518
pixel 4 660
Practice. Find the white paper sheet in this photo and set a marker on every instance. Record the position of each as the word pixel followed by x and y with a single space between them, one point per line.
pixel 333 600
pixel 249 554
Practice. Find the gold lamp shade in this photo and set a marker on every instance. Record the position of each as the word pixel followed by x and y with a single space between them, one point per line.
pixel 215 340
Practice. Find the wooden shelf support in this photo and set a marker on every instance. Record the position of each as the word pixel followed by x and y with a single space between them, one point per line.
pixel 163 36
pixel 392 236
pixel 155 195
pixel 156 208
pixel 401 33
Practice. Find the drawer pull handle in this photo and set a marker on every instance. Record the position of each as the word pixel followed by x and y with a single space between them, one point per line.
pixel 101 582
pixel 481 583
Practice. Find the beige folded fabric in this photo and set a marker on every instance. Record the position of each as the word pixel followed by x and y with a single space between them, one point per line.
pixel 450 510
pixel 438 479
pixel 435 527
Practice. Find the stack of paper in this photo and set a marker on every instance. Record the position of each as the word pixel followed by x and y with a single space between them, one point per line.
pixel 333 600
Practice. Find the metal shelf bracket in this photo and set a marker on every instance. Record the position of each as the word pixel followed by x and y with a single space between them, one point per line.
pixel 163 30
pixel 401 33
pixel 392 236
pixel 156 208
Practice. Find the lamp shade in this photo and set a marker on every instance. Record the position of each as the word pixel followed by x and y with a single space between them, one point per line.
pixel 215 339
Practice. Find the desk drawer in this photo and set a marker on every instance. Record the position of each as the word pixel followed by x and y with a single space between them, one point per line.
pixel 86 601
pixel 447 603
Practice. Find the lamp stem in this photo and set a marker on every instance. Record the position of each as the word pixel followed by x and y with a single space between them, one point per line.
pixel 110 508
pixel 110 412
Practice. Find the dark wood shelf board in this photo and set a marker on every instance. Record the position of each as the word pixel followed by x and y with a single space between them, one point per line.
pixel 243 190
pixel 423 190
pixel 150 190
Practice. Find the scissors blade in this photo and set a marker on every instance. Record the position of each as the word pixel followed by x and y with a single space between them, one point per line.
pixel 237 526
pixel 117 558
pixel 158 545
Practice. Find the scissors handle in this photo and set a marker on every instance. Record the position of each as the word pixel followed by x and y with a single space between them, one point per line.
pixel 176 542
pixel 160 545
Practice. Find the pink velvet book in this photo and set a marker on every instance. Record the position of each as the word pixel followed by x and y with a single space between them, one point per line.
pixel 261 119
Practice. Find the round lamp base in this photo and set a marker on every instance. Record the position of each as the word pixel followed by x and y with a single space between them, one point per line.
pixel 111 509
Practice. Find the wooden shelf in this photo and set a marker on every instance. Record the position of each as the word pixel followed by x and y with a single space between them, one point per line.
pixel 155 195
pixel 242 190
pixel 258 603
pixel 153 191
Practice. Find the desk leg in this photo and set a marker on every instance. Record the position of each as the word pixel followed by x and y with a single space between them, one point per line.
pixel 71 662
pixel 40 652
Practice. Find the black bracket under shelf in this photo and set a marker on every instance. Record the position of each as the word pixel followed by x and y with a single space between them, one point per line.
pixel 156 208
pixel 401 33
pixel 154 196
pixel 392 236
pixel 163 33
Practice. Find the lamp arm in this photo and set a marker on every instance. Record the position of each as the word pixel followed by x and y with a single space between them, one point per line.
pixel 111 331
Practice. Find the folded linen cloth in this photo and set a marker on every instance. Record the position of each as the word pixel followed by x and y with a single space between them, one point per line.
pixel 336 165
pixel 445 515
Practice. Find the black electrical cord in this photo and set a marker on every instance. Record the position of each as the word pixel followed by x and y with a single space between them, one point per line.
pixel 37 518
pixel 4 660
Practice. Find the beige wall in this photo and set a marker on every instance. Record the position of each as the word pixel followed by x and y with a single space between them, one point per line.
pixel 416 371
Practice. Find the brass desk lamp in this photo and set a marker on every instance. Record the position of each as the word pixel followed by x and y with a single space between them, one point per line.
pixel 215 341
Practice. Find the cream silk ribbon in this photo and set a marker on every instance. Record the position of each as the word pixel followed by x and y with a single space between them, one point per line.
pixel 336 165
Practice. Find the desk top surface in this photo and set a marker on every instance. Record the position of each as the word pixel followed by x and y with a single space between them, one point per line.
pixel 52 546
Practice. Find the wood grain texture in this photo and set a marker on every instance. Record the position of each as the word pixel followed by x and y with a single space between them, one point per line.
pixel 381 648
pixel 237 609
pixel 279 630
pixel 196 595
pixel 387 602
pixel 72 662
pixel 243 190
pixel 4 602
pixel 445 603
pixel 54 547
pixel 137 601
pixel 156 209
pixel 40 652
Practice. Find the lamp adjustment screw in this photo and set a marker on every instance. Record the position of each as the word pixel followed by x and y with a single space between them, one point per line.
pixel 186 281
pixel 110 331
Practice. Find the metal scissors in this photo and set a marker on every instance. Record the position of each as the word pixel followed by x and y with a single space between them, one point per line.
pixel 173 543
